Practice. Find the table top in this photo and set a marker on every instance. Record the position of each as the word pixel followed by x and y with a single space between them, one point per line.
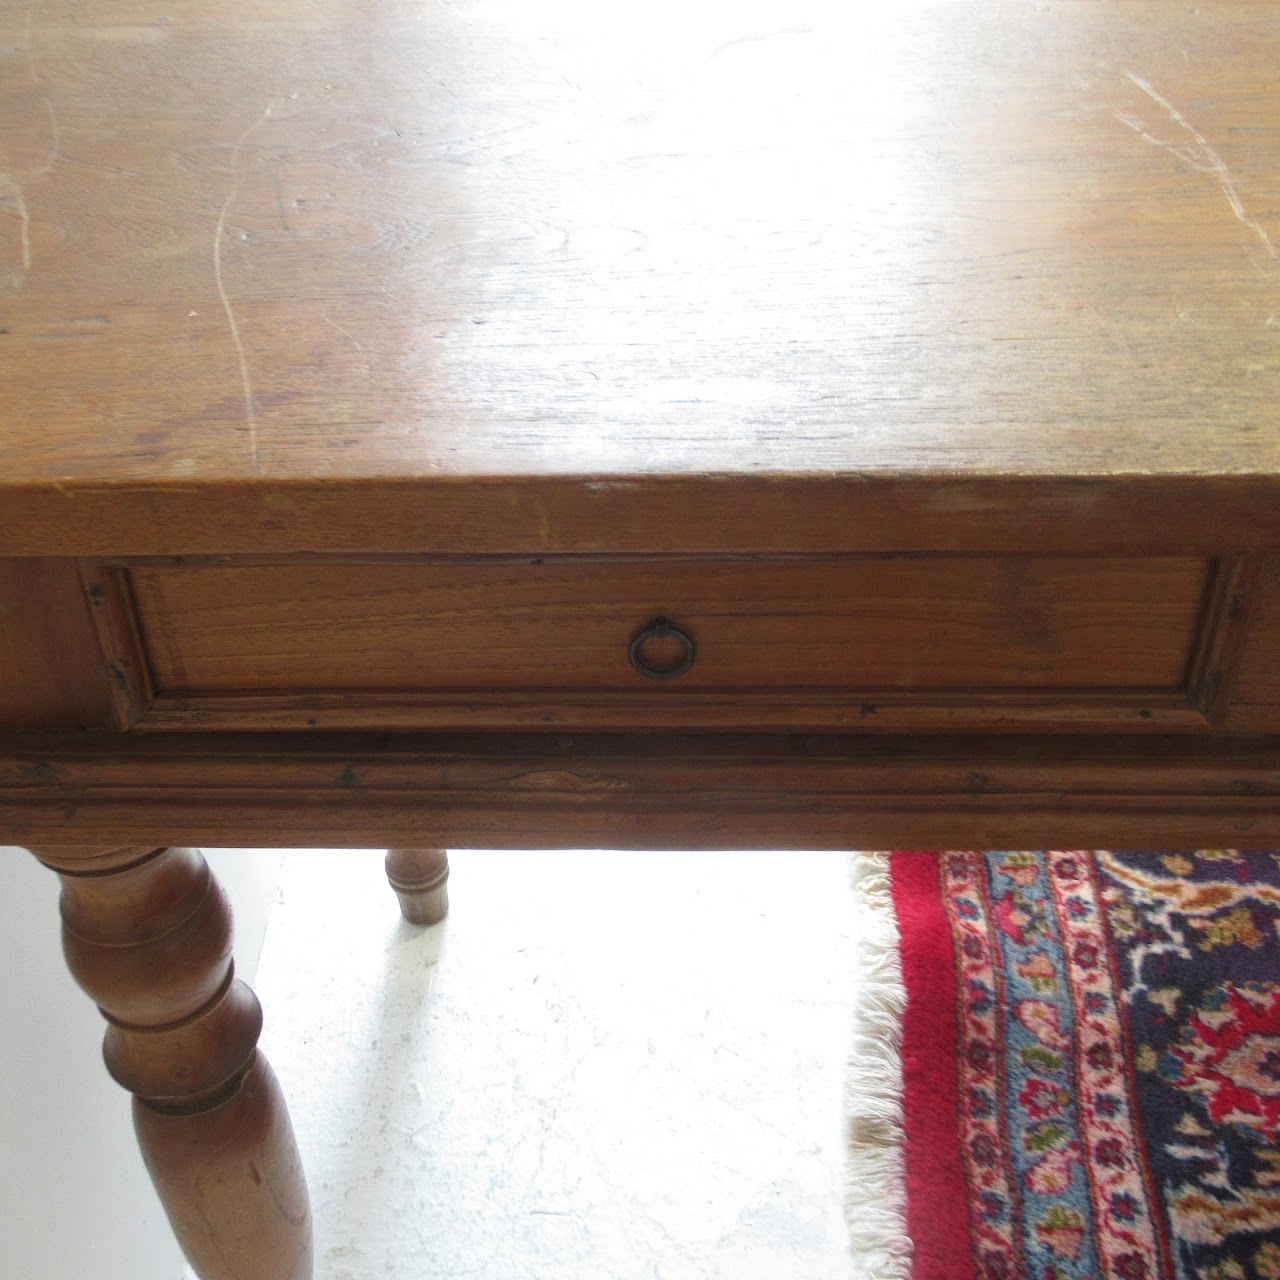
pixel 423 275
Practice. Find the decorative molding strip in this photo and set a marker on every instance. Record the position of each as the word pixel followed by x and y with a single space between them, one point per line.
pixel 729 791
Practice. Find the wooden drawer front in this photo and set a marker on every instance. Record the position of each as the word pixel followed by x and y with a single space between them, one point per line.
pixel 876 642
pixel 50 668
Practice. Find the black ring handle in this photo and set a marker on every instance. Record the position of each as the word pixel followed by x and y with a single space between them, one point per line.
pixel 661 629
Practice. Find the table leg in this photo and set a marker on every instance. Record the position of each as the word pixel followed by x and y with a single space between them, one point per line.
pixel 420 878
pixel 147 934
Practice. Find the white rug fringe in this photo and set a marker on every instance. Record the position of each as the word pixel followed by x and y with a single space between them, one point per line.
pixel 875 1187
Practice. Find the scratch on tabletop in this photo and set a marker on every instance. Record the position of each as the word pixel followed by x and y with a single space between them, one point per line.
pixel 759 38
pixel 1197 153
pixel 250 411
pixel 55 144
pixel 342 331
pixel 17 196
pixel 69 492
pixel 19 202
pixel 55 140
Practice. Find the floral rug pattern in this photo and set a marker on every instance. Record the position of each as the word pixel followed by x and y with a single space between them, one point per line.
pixel 1118 1079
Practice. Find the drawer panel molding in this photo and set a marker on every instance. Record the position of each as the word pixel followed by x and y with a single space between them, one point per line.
pixel 911 642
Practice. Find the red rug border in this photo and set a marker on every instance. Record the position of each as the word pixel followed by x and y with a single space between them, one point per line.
pixel 937 1194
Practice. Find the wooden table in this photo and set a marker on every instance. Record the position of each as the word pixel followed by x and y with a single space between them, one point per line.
pixel 434 423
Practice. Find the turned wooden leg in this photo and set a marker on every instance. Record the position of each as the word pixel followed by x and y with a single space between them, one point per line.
pixel 420 878
pixel 147 934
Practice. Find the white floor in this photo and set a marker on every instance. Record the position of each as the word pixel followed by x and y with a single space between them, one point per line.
pixel 602 1066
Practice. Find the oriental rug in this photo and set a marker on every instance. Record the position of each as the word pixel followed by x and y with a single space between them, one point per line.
pixel 1090 1065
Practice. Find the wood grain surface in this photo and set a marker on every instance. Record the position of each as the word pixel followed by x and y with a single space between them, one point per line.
pixel 1256 692
pixel 873 643
pixel 426 275
pixel 51 672
pixel 468 278
pixel 645 791
pixel 964 623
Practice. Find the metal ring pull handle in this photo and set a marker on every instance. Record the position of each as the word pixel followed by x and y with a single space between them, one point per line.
pixel 661 629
